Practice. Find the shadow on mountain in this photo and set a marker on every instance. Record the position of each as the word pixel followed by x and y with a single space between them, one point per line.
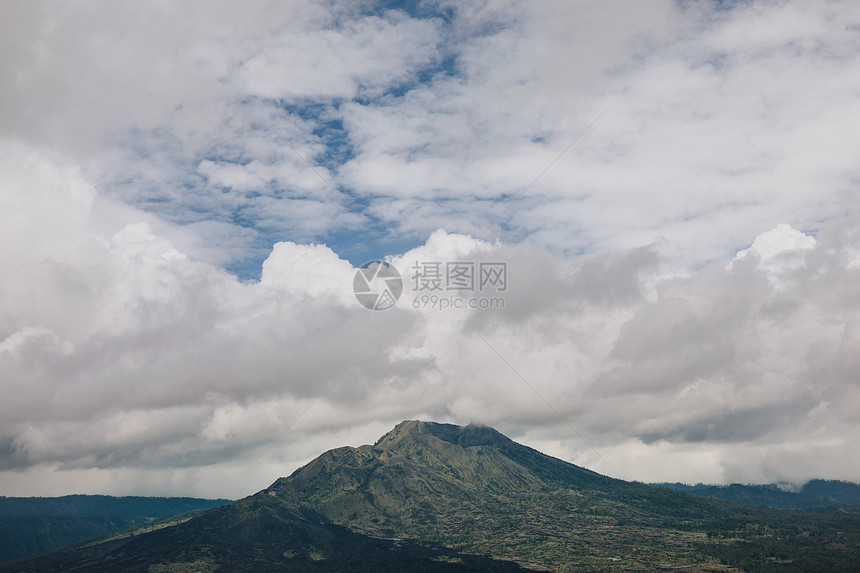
pixel 253 536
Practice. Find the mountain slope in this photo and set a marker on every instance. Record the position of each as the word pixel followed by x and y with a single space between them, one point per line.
pixel 440 497
pixel 258 534
pixel 476 490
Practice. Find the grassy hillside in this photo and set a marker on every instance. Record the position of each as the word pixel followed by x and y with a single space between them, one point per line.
pixel 259 535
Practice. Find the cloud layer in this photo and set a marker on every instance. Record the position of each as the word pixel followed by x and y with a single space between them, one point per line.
pixel 182 211
pixel 121 353
pixel 717 121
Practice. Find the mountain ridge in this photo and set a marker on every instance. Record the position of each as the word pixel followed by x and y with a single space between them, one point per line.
pixel 30 525
pixel 815 494
pixel 430 496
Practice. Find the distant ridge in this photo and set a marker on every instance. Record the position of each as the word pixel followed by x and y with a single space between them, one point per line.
pixel 30 525
pixel 439 497
pixel 815 494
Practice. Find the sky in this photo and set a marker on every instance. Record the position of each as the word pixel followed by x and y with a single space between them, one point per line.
pixel 188 191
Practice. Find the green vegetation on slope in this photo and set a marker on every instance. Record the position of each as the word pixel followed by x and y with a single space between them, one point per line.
pixel 259 535
pixel 474 489
pixel 440 497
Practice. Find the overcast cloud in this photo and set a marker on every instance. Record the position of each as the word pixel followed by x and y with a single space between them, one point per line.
pixel 186 191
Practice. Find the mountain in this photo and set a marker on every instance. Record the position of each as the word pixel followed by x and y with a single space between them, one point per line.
pixel 816 494
pixel 439 497
pixel 30 525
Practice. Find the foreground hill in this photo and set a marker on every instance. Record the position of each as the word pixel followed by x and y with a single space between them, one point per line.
pixel 438 497
pixel 30 525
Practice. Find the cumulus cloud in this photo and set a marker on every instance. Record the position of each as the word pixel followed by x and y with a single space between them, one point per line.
pixel 176 312
pixel 159 362
pixel 304 122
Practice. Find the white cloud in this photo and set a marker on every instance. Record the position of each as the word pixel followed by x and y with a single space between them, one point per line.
pixel 682 281
pixel 179 366
pixel 779 251
pixel 340 59
pixel 309 271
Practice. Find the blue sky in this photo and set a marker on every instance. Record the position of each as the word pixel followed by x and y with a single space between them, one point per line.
pixel 188 190
pixel 365 236
pixel 474 106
